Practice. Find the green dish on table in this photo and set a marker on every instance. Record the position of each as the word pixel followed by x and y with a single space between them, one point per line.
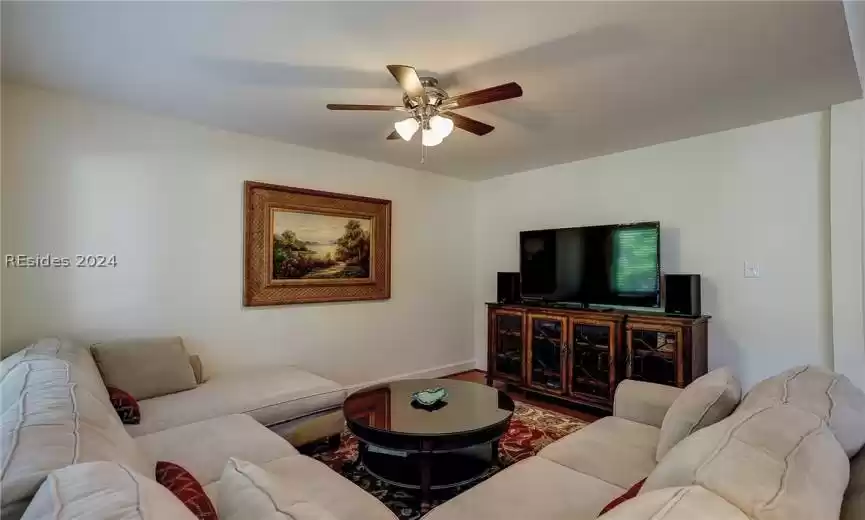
pixel 430 396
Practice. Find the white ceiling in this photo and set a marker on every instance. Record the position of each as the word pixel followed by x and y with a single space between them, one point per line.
pixel 598 77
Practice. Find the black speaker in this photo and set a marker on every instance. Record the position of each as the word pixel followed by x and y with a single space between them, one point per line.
pixel 508 288
pixel 682 294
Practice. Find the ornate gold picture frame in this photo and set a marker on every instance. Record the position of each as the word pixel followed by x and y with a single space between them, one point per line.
pixel 304 246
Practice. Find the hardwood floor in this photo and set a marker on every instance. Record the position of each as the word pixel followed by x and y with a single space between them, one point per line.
pixel 477 376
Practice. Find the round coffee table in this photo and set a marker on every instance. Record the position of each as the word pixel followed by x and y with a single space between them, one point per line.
pixel 428 449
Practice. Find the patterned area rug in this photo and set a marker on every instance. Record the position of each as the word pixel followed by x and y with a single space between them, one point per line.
pixel 531 429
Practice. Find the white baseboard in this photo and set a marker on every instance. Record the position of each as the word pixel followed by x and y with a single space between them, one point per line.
pixel 427 373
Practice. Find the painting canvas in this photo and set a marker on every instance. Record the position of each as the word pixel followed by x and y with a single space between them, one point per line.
pixel 309 246
pixel 315 246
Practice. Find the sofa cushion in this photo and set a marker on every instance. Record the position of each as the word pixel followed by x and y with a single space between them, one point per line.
pixel 532 488
pixel 676 503
pixel 48 423
pixel 203 448
pixel 183 485
pixel 147 367
pixel 103 491
pixel 615 450
pixel 853 507
pixel 776 463
pixel 830 396
pixel 270 395
pixel 316 483
pixel 708 399
pixel 247 491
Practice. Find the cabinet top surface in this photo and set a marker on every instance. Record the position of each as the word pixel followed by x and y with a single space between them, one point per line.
pixel 613 313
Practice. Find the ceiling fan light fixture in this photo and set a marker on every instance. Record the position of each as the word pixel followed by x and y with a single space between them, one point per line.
pixel 431 109
pixel 406 128
pixel 441 126
pixel 431 137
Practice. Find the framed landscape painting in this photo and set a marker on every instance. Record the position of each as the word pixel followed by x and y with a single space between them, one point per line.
pixel 305 246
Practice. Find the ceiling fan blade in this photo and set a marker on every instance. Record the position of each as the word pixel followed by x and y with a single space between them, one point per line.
pixel 393 135
pixel 382 108
pixel 468 124
pixel 409 81
pixel 480 97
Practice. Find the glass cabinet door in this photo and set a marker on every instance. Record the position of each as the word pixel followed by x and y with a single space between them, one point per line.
pixel 546 353
pixel 653 354
pixel 508 344
pixel 590 359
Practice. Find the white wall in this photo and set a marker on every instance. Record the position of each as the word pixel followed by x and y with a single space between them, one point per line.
pixel 758 194
pixel 854 11
pixel 847 153
pixel 165 196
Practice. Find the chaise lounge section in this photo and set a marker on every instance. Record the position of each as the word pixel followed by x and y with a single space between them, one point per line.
pixel 276 397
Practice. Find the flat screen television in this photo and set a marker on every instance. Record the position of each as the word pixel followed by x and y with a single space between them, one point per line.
pixel 604 265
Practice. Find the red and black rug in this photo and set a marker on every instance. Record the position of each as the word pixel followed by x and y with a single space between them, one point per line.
pixel 531 429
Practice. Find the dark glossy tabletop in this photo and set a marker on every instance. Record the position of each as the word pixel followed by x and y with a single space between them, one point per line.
pixel 388 408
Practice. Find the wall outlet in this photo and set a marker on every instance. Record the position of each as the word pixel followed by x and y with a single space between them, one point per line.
pixel 752 270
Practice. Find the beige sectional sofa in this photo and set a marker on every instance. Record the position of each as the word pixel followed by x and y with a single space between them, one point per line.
pixel 56 412
pixel 782 454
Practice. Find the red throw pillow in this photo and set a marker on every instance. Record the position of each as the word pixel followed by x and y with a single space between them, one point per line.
pixel 186 488
pixel 125 405
pixel 627 495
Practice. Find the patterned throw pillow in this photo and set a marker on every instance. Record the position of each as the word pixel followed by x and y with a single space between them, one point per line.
pixel 125 405
pixel 627 495
pixel 186 488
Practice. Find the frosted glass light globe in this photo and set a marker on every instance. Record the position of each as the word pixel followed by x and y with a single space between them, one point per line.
pixel 431 138
pixel 441 126
pixel 406 128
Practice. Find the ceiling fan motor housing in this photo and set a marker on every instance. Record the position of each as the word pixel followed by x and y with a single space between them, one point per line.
pixel 433 93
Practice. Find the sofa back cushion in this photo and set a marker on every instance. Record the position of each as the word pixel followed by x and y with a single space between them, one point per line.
pixel 104 491
pixel 775 463
pixel 676 503
pixel 704 402
pixel 145 368
pixel 853 507
pixel 826 394
pixel 51 419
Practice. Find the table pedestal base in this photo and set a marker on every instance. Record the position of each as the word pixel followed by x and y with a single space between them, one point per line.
pixel 429 471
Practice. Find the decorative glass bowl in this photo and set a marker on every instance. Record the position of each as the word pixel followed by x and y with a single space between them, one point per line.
pixel 430 396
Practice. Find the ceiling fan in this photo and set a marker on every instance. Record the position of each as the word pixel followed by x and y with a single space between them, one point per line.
pixel 431 108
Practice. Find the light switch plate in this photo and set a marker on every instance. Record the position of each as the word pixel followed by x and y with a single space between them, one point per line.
pixel 752 270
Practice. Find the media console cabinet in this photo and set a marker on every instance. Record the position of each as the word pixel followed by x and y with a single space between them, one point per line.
pixel 581 355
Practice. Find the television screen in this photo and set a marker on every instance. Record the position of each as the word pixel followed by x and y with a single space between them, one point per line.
pixel 613 265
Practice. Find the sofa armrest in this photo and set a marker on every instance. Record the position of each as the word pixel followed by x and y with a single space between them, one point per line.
pixel 642 402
